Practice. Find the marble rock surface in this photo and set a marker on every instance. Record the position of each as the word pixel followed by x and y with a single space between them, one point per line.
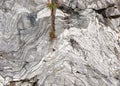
pixel 86 51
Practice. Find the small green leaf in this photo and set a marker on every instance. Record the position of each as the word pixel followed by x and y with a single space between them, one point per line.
pixel 52 6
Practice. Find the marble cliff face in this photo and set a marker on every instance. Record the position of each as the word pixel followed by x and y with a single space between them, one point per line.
pixel 86 51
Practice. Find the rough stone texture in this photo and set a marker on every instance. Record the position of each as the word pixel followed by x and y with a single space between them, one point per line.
pixel 86 51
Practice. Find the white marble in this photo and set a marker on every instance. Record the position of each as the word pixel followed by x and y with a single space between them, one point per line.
pixel 86 51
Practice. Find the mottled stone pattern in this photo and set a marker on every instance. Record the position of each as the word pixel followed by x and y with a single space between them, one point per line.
pixel 86 51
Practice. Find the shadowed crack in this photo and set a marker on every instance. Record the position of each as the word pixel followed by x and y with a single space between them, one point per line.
pixel 74 44
pixel 25 82
pixel 69 10
pixel 103 10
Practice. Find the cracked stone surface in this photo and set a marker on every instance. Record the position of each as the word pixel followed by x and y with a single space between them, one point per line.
pixel 86 51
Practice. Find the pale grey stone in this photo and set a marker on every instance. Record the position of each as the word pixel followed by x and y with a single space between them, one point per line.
pixel 86 51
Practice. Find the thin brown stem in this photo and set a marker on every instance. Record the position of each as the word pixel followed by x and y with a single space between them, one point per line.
pixel 52 28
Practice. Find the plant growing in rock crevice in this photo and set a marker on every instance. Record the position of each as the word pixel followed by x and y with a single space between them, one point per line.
pixel 52 5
